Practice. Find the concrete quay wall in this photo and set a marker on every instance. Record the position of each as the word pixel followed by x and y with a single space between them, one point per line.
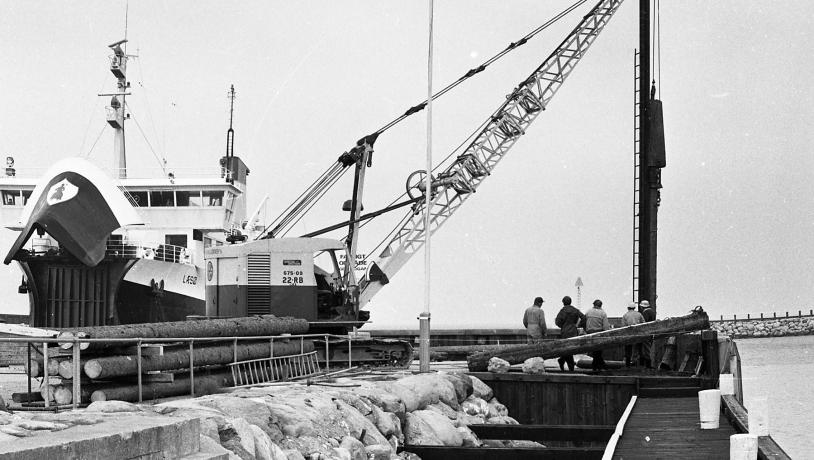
pixel 765 327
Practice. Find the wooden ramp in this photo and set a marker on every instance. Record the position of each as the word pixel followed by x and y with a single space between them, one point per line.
pixel 669 428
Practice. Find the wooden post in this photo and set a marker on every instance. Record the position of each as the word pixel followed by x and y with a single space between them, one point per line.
pixel 45 379
pixel 77 376
pixel 28 348
pixel 709 345
pixel 138 369
pixel 191 369
pixel 761 316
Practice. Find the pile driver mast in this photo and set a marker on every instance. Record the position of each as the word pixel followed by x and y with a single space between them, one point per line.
pixel 651 159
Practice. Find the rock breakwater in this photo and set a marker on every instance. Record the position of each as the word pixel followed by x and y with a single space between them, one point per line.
pixel 769 327
pixel 368 416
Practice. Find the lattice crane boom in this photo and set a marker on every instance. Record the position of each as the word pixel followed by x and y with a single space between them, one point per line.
pixel 452 187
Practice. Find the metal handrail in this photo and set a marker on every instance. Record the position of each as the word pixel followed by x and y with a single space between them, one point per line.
pixel 77 354
pixel 133 249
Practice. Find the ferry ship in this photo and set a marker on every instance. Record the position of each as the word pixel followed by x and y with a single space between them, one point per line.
pixel 99 249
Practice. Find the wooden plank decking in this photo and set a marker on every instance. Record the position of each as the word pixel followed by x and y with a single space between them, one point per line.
pixel 673 428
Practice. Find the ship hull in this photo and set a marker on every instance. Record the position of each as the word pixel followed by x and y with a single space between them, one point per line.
pixel 66 293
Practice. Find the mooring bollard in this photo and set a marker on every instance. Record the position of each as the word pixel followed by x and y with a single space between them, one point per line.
pixel 709 405
pixel 743 447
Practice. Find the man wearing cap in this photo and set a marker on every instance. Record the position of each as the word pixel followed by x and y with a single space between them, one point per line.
pixel 629 319
pixel 596 320
pixel 534 322
pixel 647 346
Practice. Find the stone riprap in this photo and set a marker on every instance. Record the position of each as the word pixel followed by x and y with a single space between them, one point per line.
pixel 367 416
pixel 769 327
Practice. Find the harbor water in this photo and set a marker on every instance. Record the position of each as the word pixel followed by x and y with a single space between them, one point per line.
pixel 780 369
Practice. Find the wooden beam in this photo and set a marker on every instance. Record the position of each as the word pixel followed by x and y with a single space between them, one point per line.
pixel 544 433
pixel 768 449
pixel 505 453
pixel 591 342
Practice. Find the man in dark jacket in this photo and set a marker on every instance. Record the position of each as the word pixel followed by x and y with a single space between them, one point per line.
pixel 647 346
pixel 568 320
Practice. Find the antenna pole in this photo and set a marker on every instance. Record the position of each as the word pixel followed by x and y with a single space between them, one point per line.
pixel 424 318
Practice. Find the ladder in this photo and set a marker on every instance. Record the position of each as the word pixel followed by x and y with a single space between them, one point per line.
pixel 274 369
pixel 636 178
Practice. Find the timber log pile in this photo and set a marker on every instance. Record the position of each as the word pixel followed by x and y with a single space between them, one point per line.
pixel 108 371
pixel 515 354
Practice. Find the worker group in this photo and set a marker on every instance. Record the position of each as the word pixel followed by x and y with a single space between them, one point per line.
pixel 573 322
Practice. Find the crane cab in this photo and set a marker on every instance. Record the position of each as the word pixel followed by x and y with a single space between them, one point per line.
pixel 297 277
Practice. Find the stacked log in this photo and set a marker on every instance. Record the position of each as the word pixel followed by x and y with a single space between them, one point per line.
pixel 516 354
pixel 109 371
pixel 263 325
pixel 204 384
pixel 117 366
pixel 35 366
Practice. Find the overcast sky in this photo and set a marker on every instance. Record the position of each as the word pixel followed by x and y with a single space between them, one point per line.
pixel 736 227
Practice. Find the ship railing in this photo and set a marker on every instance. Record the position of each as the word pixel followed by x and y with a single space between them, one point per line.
pixel 129 249
pixel 301 366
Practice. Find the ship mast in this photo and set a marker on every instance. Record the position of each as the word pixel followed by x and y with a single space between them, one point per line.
pixel 116 110
pixel 230 137
pixel 651 160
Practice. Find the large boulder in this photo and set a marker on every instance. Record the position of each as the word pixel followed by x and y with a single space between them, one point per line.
pixel 498 365
pixel 481 390
pixel 253 410
pixel 408 397
pixel 475 406
pixel 238 437
pixel 378 452
pixel 470 439
pixel 535 365
pixel 431 388
pixel 461 382
pixel 422 422
pixel 502 420
pixel 385 422
pixel 112 406
pixel 444 410
pixel 496 409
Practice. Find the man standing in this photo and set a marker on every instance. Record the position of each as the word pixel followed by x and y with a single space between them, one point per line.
pixel 647 346
pixel 596 320
pixel 534 322
pixel 568 320
pixel 629 319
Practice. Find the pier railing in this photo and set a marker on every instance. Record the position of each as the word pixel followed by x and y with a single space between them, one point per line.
pixel 243 369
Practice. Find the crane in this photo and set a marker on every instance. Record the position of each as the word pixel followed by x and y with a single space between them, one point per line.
pixel 281 276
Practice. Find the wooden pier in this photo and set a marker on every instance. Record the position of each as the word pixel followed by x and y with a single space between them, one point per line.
pixel 667 427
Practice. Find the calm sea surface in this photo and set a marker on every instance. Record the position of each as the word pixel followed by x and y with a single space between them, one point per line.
pixel 782 370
